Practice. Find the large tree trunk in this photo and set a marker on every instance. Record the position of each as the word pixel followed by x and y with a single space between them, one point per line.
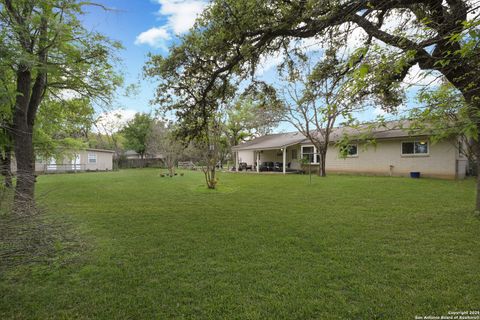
pixel 473 102
pixel 24 155
pixel 26 105
pixel 6 167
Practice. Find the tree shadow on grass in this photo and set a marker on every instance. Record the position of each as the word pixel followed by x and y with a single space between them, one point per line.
pixel 219 189
pixel 35 238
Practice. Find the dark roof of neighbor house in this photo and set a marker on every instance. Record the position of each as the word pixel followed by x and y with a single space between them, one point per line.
pixel 131 153
pixel 147 155
pixel 389 130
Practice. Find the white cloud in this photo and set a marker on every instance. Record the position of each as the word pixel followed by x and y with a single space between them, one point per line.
pixel 155 37
pixel 421 78
pixel 268 62
pixel 379 112
pixel 68 94
pixel 180 15
pixel 112 121
pixel 311 44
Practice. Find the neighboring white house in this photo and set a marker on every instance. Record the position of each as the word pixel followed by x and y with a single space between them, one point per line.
pixel 75 161
pixel 395 152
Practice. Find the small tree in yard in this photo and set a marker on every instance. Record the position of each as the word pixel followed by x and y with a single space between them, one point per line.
pixel 136 133
pixel 183 93
pixel 162 140
pixel 316 99
pixel 210 144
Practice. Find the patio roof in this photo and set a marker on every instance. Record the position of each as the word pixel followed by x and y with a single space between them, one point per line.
pixel 390 130
pixel 272 141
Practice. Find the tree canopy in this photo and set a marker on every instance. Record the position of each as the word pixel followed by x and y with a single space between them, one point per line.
pixel 50 53
pixel 229 40
pixel 137 131
pixel 386 39
pixel 62 125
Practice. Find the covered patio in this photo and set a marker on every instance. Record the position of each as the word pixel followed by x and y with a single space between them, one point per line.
pixel 270 153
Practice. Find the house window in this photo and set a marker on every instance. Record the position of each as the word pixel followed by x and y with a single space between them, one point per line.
pixel 415 148
pixel 294 154
pixel 309 154
pixel 462 153
pixel 92 158
pixel 350 150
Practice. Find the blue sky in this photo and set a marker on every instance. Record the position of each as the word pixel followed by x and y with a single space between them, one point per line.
pixel 151 26
pixel 142 26
pixel 124 23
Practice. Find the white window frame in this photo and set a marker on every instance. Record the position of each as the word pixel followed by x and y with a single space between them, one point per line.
pixel 353 155
pixel 314 153
pixel 415 154
pixel 92 156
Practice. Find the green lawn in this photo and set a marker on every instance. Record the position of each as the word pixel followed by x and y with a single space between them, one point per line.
pixel 261 246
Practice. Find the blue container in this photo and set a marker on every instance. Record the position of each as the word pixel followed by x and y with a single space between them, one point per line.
pixel 415 175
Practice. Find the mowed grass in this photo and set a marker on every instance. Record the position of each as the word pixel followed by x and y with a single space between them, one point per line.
pixel 259 247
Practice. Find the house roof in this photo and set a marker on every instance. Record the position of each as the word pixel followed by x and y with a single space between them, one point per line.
pixel 100 150
pixel 272 141
pixel 389 130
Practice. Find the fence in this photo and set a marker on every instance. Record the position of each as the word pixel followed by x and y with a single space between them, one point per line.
pixel 140 163
pixel 186 165
pixel 62 168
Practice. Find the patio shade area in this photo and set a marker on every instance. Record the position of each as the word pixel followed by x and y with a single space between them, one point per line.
pixel 272 142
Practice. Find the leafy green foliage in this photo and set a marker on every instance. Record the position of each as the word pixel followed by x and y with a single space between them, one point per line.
pixel 111 141
pixel 62 126
pixel 231 37
pixel 7 102
pixel 137 131
pixel 79 60
pixel 320 96
pixel 444 113
pixel 252 114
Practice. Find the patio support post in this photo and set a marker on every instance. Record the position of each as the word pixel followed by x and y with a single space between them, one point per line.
pixel 236 162
pixel 284 160
pixel 258 161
